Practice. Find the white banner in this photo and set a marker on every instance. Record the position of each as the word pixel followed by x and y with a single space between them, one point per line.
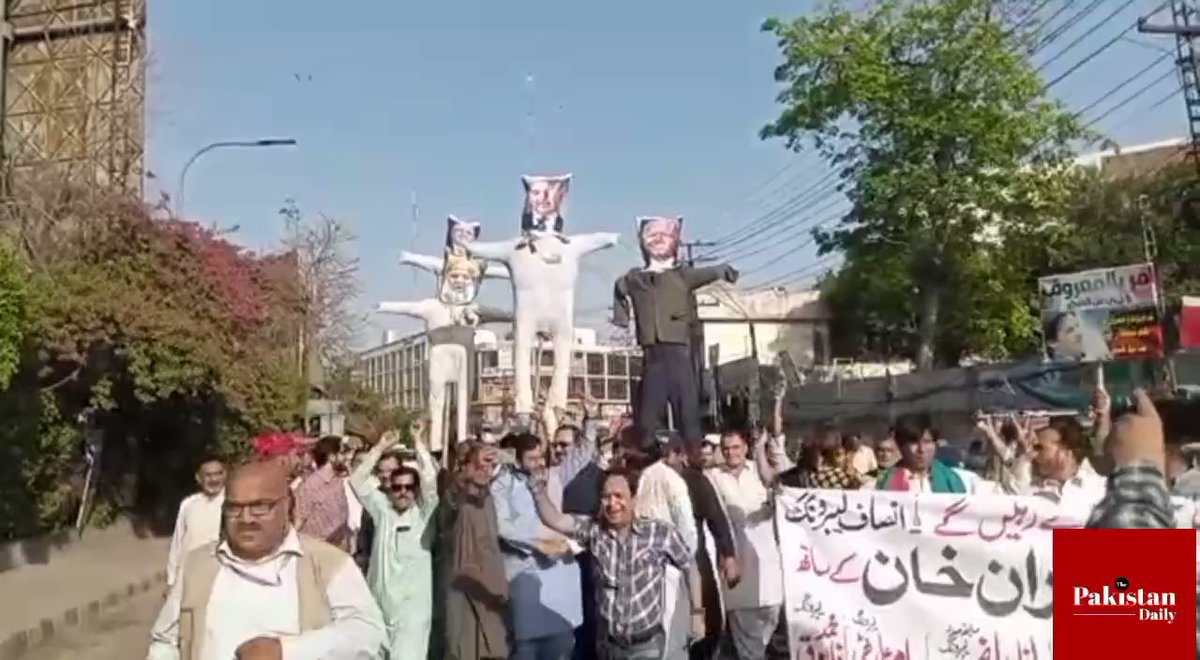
pixel 870 574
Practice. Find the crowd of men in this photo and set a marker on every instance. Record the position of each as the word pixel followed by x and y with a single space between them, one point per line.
pixel 586 541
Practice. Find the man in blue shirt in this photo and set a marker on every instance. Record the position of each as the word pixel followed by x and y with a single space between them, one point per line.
pixel 544 586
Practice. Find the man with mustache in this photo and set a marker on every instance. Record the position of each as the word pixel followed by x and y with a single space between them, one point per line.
pixel 265 592
pixel 401 504
pixel 629 558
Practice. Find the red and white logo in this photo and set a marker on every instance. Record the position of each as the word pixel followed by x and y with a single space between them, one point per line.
pixel 1124 593
pixel 1121 600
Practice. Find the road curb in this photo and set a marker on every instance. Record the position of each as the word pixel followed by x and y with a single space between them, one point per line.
pixel 17 644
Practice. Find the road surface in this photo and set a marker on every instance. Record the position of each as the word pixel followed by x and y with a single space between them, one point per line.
pixel 119 634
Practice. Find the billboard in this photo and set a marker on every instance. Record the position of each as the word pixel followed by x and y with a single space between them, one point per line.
pixel 1101 314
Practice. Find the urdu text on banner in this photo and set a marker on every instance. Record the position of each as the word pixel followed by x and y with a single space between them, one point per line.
pixel 872 574
pixel 1101 314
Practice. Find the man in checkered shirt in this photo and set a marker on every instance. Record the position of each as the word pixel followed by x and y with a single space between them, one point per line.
pixel 629 555
pixel 1137 495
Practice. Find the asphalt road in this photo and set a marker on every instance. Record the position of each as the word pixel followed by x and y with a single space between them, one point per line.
pixel 119 634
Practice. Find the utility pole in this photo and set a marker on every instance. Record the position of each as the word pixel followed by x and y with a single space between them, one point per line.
pixel 416 214
pixel 1185 27
pixel 697 328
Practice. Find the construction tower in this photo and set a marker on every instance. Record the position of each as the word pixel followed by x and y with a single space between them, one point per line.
pixel 74 83
pixel 1185 26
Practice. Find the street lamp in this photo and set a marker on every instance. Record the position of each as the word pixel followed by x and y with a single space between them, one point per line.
pixel 232 144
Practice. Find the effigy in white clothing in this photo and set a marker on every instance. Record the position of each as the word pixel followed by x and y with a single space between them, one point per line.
pixel 544 264
pixel 450 322
pixel 460 234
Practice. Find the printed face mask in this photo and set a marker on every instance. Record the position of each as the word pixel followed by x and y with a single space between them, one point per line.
pixel 460 234
pixel 544 198
pixel 460 279
pixel 659 238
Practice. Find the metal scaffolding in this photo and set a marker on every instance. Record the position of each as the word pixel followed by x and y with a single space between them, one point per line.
pixel 74 75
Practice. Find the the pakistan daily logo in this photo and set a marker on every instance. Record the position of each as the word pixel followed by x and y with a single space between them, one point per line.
pixel 1145 605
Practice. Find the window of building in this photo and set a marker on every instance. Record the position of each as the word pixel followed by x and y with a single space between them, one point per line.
pixel 547 358
pixel 618 389
pixel 596 388
pixel 489 359
pixel 617 365
pixel 595 364
pixel 575 388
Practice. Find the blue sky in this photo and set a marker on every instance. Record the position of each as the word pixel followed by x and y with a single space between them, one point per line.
pixel 654 106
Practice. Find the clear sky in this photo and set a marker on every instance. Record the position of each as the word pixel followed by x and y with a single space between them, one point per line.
pixel 653 106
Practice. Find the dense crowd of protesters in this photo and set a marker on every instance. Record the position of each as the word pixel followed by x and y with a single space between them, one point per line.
pixel 582 541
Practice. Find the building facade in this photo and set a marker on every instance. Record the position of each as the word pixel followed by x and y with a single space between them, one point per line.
pixel 763 324
pixel 608 373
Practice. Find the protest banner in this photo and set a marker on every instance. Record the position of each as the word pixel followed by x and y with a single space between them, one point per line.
pixel 872 574
pixel 1101 314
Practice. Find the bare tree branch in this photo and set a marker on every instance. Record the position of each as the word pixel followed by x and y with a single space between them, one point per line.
pixel 329 277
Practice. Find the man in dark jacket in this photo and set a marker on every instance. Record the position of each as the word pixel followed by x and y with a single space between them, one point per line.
pixel 708 510
pixel 660 295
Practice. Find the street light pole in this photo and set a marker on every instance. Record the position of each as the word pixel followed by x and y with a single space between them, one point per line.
pixel 230 144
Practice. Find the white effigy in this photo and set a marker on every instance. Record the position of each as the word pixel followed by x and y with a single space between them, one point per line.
pixel 544 265
pixel 459 235
pixel 450 323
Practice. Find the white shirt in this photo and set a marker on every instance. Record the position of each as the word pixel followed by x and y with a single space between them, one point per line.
pixel 663 495
pixel 263 599
pixel 863 460
pixel 1079 494
pixel 748 504
pixel 356 508
pixel 198 522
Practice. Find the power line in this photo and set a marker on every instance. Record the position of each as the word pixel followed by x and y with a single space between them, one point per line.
pixel 786 241
pixel 794 275
pixel 741 234
pixel 1104 21
pixel 1066 25
pixel 1062 8
pixel 1132 97
pixel 1124 83
pixel 776 221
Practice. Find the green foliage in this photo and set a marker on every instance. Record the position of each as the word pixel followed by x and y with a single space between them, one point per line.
pixel 947 147
pixel 1104 227
pixel 173 340
pixel 15 306
pixel 368 414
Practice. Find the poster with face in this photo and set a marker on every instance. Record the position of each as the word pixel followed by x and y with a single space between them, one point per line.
pixel 544 197
pixel 460 234
pixel 659 239
pixel 460 279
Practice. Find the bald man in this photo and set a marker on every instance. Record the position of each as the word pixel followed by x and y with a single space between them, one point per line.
pixel 265 592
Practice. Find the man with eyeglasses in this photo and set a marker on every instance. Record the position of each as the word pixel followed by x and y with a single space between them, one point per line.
pixel 265 592
pixel 400 569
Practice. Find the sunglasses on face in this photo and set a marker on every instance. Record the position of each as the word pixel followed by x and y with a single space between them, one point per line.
pixel 399 487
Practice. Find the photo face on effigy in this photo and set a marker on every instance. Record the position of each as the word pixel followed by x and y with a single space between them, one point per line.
pixel 460 283
pixel 660 237
pixel 462 234
pixel 544 195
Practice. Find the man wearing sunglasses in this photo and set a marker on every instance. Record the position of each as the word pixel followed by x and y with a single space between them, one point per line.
pixel 400 568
